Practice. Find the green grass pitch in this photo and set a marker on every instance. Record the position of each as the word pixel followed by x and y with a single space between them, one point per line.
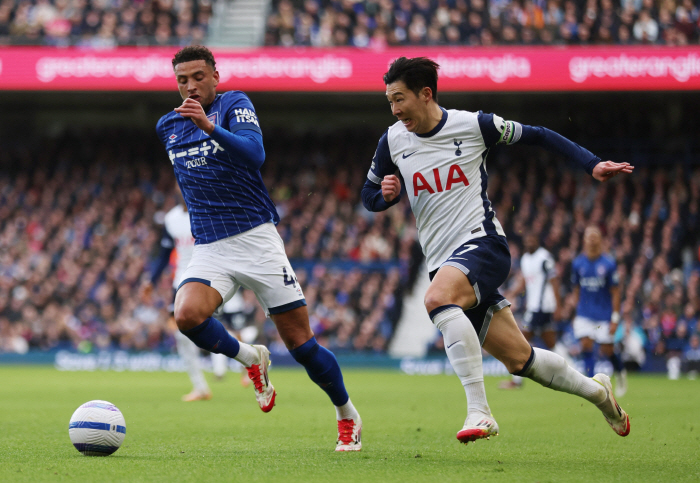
pixel 410 424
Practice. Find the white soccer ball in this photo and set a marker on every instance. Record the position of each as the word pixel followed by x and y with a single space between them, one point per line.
pixel 97 428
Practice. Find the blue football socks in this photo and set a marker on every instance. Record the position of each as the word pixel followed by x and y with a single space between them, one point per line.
pixel 322 367
pixel 616 363
pixel 589 363
pixel 212 336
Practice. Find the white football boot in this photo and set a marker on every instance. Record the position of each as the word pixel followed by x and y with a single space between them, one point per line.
pixel 618 419
pixel 478 426
pixel 264 391
pixel 349 435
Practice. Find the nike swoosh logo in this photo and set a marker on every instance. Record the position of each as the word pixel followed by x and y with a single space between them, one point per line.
pixel 452 344
pixel 407 155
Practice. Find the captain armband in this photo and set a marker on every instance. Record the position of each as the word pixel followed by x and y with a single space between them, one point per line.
pixel 510 130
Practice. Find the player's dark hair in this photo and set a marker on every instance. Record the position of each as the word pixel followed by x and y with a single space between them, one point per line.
pixel 194 52
pixel 416 73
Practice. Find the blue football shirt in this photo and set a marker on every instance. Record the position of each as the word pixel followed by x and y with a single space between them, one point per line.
pixel 223 196
pixel 596 278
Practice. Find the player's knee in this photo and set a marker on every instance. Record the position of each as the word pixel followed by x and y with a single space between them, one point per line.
pixel 188 317
pixel 433 300
pixel 514 366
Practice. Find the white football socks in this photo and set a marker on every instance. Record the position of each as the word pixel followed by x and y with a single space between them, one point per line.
pixel 552 371
pixel 219 364
pixel 189 353
pixel 464 352
pixel 247 355
pixel 346 411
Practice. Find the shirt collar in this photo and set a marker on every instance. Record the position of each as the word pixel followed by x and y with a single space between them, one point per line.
pixel 437 128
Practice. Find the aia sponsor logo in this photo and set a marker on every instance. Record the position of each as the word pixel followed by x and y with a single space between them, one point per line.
pixel 455 177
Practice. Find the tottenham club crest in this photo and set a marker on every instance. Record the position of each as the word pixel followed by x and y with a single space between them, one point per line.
pixel 458 152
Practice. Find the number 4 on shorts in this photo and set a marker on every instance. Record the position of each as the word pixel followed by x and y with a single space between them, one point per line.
pixel 287 279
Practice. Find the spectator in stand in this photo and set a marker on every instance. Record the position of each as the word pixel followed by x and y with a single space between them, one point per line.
pixel 76 237
pixel 103 25
pixel 481 22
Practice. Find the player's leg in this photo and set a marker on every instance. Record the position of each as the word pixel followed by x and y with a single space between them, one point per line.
pixel 505 342
pixel 197 301
pixel 607 349
pixel 189 353
pixel 445 300
pixel 219 364
pixel 274 283
pixel 323 369
pixel 516 382
pixel 584 331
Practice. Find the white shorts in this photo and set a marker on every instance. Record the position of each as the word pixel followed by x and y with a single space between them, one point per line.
pixel 597 330
pixel 254 259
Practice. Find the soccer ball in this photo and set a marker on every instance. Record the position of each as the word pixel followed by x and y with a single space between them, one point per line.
pixel 97 428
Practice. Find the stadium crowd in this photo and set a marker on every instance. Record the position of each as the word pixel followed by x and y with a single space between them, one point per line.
pixel 381 23
pixel 650 222
pixel 79 240
pixel 104 24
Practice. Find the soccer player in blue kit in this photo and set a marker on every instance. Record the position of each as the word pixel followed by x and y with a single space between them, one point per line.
pixel 441 155
pixel 214 143
pixel 595 280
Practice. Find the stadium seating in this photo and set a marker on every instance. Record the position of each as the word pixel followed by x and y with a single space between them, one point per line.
pixel 381 23
pixel 103 25
pixel 78 239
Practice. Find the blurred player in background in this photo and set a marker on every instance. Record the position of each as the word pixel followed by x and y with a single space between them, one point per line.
pixel 595 280
pixel 214 143
pixel 441 156
pixel 538 278
pixel 178 237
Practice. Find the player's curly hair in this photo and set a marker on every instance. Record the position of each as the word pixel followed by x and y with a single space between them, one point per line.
pixel 194 52
pixel 416 73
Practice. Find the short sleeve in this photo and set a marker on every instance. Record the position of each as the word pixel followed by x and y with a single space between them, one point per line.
pixel 382 165
pixel 240 113
pixel 159 130
pixel 495 130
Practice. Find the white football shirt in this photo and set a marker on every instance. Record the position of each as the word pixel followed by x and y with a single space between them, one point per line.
pixel 177 224
pixel 538 270
pixel 445 176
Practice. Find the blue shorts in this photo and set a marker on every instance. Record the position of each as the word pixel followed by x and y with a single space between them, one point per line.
pixel 486 263
pixel 537 322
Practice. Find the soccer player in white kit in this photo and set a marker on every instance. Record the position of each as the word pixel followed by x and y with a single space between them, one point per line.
pixel 538 278
pixel 177 225
pixel 441 156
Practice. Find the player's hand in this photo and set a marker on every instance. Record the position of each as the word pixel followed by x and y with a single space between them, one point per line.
pixel 557 316
pixel 613 328
pixel 391 187
pixel 193 110
pixel 605 170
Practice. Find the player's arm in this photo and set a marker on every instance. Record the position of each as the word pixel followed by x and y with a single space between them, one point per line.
pixel 244 139
pixel 382 188
pixel 497 131
pixel 559 303
pixel 167 244
pixel 615 296
pixel 519 286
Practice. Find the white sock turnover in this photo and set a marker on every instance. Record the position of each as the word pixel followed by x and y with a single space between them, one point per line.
pixel 346 411
pixel 464 352
pixel 247 355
